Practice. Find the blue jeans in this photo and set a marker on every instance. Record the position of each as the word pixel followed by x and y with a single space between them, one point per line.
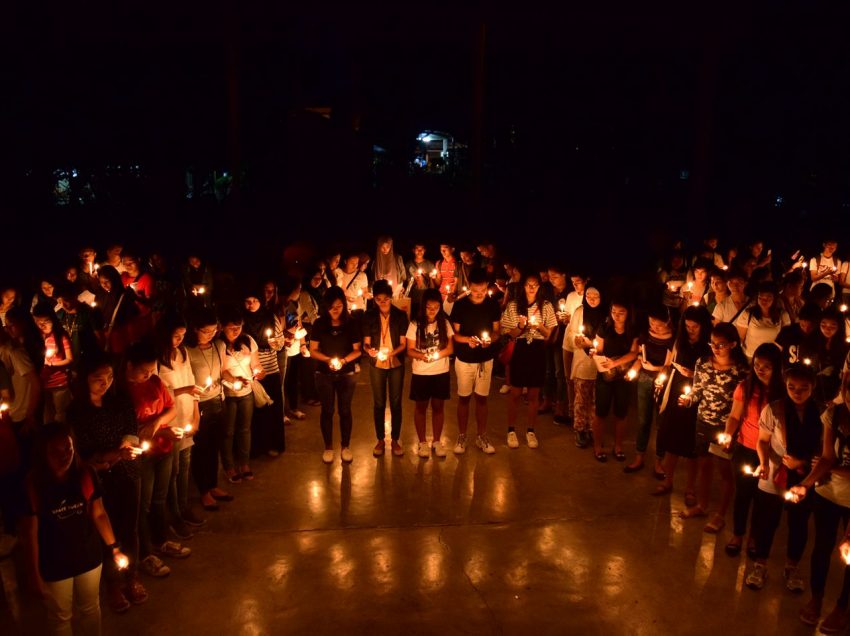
pixel 645 413
pixel 341 387
pixel 380 379
pixel 236 442
pixel 156 478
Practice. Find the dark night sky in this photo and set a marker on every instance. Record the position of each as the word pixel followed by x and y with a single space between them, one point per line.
pixel 589 114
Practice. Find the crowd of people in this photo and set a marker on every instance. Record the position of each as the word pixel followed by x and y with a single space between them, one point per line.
pixel 123 383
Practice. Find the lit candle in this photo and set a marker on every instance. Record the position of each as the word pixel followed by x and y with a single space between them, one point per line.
pixel 419 271
pixel 359 292
pixel 465 289
pixel 844 549
pixel 209 382
pixel 723 438
pixel 485 336
pixel 686 391
pixel 690 285
pixel 145 447
pixel 843 309
pixel 93 304
pixel 188 428
pixel 533 320
pixel 96 267
pixel 383 354
pixel 725 268
pixel 3 407
pixel 300 334
pixel 661 379
pixel 433 273
pixel 790 496
pixel 562 306
pixel 749 470
pixel 490 292
pixel 202 290
pixel 807 361
pixel 336 364
pixel 91 269
pixel 595 343
pixel 237 385
pixel 695 303
pixel 805 265
pixel 122 562
pixel 448 288
pixel 432 356
pixel 49 352
pixel 632 374
pixel 268 333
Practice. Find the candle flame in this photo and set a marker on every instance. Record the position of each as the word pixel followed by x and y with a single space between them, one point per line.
pixel 188 428
pixel 122 562
pixel 145 446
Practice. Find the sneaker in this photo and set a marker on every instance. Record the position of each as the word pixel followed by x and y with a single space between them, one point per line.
pixel 531 438
pixel 484 444
pixel 460 445
pixel 328 456
pixel 379 449
pixel 136 592
pixel 513 442
pixel 506 388
pixel 345 455
pixel 757 576
pixel 191 519
pixel 173 549
pixel 153 566
pixel 424 450
pixel 181 530
pixel 793 581
pixel 835 622
pixel 439 449
pixel 398 451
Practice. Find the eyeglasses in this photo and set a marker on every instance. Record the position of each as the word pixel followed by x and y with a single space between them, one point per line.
pixel 719 345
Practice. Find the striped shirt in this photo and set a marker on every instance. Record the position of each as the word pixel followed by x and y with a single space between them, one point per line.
pixel 510 319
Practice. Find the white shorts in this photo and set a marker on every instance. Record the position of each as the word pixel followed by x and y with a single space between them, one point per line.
pixel 473 376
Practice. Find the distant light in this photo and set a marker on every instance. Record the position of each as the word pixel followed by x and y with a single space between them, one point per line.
pixel 779 201
pixel 684 175
pixel 426 138
pixel 74 172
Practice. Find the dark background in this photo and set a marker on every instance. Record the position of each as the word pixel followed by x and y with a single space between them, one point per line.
pixel 596 134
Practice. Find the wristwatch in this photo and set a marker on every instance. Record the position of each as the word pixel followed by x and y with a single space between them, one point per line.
pixel 114 546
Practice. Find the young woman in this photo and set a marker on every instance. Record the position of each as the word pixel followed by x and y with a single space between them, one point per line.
pixel 718 290
pixel 65 530
pixel 206 355
pixel 44 295
pixel 335 346
pixel 8 299
pixel 175 371
pixel 296 307
pixel 698 284
pixel 825 349
pixel 674 276
pixel 106 433
pixel 761 322
pixel 791 296
pixel 585 322
pixel 831 506
pixel 240 367
pixel 389 266
pixel 529 320
pixel 789 439
pixel 56 369
pixel 384 340
pixel 155 414
pixel 615 347
pixel 118 310
pixel 429 345
pixel 677 422
pixel 197 280
pixel 715 379
pixel 762 386
pixel 730 309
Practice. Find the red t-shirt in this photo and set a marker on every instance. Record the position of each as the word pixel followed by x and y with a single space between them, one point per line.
pixel 150 400
pixel 749 433
pixel 448 276
pixel 145 287
pixel 54 377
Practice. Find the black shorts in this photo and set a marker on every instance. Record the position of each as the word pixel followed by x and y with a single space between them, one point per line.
pixel 430 387
pixel 706 435
pixel 528 364
pixel 614 394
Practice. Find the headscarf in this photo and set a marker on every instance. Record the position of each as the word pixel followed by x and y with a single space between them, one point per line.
pixel 592 317
pixel 386 265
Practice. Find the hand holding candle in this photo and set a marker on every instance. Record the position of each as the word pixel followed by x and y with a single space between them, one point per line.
pixel 632 374
pixel 844 549
pixel 121 560
pixel 383 354
pixel 335 364
pixel 724 439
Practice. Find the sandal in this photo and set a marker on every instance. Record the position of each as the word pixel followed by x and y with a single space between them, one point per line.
pixel 620 456
pixel 631 468
pixel 601 457
pixel 247 475
pixel 690 513
pixel 663 489
pixel 234 477
pixel 690 499
pixel 136 592
pixel 716 524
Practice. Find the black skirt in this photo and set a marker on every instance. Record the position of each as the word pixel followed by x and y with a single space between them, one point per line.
pixel 528 364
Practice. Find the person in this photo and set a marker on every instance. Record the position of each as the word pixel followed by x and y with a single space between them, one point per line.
pixel 45 294
pixel 824 268
pixel 175 371
pixel 79 322
pixel 155 413
pixel 144 287
pixel 106 432
pixel 429 346
pixel 476 325
pixel 791 337
pixel 718 290
pixel 118 310
pixel 467 264
pixel 389 266
pixel 729 309
pixel 8 300
pixel 206 355
pixel 113 258
pixel 447 271
pixel 715 378
pixel 385 342
pixel 825 350
pixel 419 271
pixel 65 528
pixel 790 432
pixel 828 484
pixel 530 320
pixel 56 369
pixel 762 386
pixel 354 283
pixel 791 295
pixel 698 283
pixel 87 269
pixel 298 310
pixel 677 422
pixel 762 321
pixel 572 302
pixel 335 345
pixel 673 277
pixel 555 389
pixel 583 326
pixel 197 283
pixel 655 346
pixel 240 368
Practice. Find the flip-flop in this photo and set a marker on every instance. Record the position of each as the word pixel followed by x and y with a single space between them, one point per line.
pixel 716 524
pixel 601 457
pixel 620 456
pixel 691 513
pixel 662 490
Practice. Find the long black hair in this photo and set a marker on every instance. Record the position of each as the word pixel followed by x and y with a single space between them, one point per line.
pixel 768 352
pixel 729 332
pixel 165 328
pixel 41 476
pixel 45 310
pixel 331 296
pixel 698 315
pixel 431 295
pixel 233 316
pixel 521 300
pixel 592 317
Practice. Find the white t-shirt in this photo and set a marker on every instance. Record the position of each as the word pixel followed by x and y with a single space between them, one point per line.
pixel 179 375
pixel 768 421
pixel 573 302
pixel 584 368
pixel 725 310
pixel 238 363
pixel 432 343
pixel 837 489
pixel 360 283
pixel 826 266
pixel 759 330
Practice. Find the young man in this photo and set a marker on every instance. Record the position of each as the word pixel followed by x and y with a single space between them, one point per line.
pixel 467 264
pixel 728 309
pixel 384 331
pixel 447 271
pixel 825 267
pixel 79 321
pixel 419 276
pixel 354 283
pixel 475 320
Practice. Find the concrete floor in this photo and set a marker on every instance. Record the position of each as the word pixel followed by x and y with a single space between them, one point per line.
pixel 546 541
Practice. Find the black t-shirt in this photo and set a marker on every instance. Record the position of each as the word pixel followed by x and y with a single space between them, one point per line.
pixel 335 341
pixel 473 320
pixel 655 349
pixel 616 345
pixel 68 541
pixel 790 337
pixel 102 429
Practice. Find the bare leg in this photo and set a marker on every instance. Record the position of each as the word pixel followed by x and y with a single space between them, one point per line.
pixel 481 413
pixel 463 413
pixel 533 404
pixel 598 434
pixel 724 466
pixel 419 414
pixel 437 418
pixel 513 406
pixel 669 462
